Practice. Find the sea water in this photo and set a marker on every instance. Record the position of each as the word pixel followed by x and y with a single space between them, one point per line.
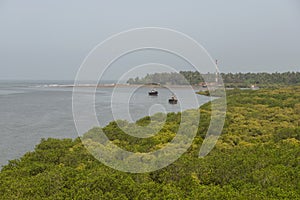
pixel 31 110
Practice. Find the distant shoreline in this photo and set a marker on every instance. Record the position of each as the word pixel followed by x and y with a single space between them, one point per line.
pixel 122 85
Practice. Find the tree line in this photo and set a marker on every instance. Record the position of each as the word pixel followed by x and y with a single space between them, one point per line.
pixel 230 79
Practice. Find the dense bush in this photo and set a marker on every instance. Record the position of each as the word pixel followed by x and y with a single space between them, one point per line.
pixel 256 157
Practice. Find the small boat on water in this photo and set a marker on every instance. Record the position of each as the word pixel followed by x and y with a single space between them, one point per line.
pixel 153 92
pixel 173 100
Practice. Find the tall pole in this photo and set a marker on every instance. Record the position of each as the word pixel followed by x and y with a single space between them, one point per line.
pixel 217 78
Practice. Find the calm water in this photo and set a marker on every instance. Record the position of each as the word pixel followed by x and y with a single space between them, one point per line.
pixel 31 110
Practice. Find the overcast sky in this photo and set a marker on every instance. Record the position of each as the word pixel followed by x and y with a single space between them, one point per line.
pixel 41 39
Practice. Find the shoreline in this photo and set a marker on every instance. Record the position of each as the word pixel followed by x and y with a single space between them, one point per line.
pixel 122 86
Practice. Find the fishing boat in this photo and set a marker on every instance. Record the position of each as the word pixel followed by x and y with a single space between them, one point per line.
pixel 173 100
pixel 153 92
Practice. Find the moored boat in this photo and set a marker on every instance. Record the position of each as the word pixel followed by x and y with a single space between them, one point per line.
pixel 153 92
pixel 173 100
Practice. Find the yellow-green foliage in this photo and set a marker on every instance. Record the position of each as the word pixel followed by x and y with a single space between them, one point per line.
pixel 256 157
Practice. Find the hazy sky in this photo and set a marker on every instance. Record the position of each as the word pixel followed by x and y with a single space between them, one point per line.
pixel 41 39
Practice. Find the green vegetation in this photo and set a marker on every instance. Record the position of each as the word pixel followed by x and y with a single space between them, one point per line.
pixel 218 92
pixel 256 157
pixel 240 80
